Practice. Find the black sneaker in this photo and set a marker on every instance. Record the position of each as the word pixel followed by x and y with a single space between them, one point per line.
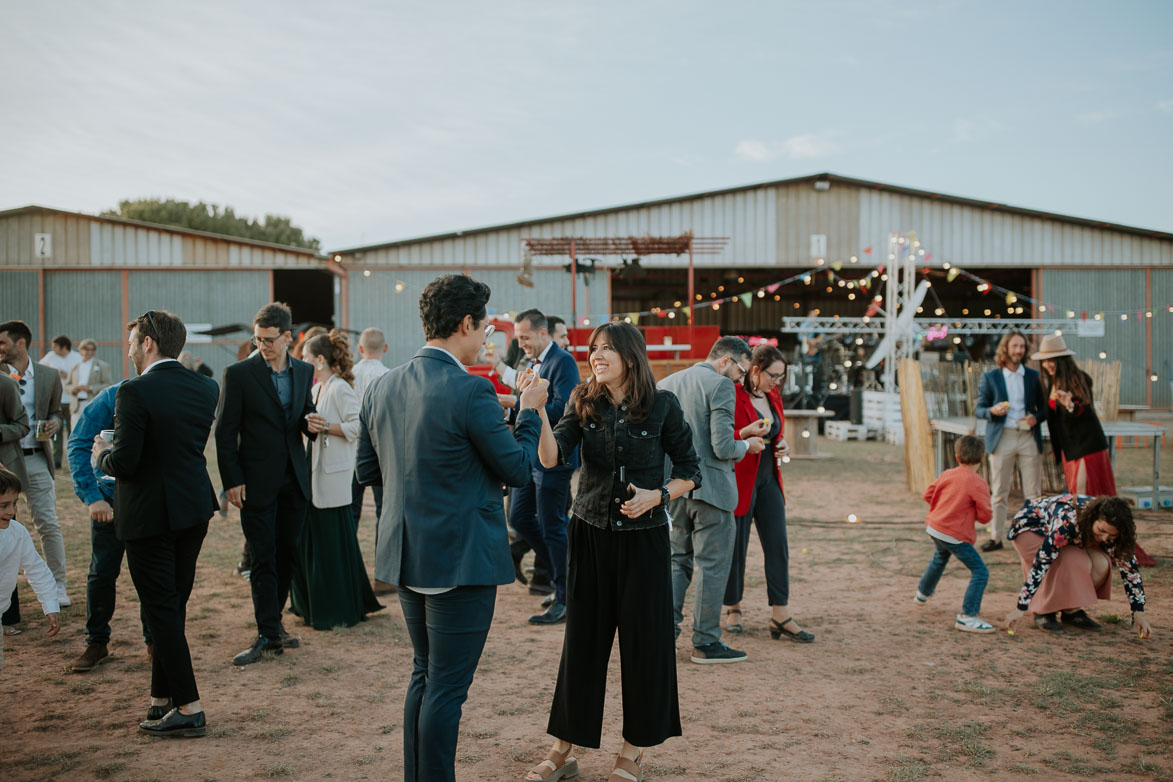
pixel 716 652
pixel 992 545
pixel 1077 618
pixel 1048 622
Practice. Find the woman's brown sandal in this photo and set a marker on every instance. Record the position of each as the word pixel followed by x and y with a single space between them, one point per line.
pixel 628 770
pixel 556 766
pixel 730 625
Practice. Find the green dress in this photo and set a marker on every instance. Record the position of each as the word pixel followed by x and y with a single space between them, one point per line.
pixel 330 587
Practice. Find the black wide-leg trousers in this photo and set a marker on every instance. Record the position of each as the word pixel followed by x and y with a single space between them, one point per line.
pixel 617 581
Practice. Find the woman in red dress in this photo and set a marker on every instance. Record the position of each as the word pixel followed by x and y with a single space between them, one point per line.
pixel 760 501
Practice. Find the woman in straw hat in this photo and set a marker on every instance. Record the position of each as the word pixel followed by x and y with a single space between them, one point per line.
pixel 1076 435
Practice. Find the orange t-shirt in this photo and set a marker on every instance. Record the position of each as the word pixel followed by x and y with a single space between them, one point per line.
pixel 958 500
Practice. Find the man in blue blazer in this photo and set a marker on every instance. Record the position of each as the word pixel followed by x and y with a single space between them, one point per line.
pixel 434 438
pixel 538 510
pixel 1011 399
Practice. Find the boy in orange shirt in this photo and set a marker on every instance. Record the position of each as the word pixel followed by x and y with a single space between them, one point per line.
pixel 958 500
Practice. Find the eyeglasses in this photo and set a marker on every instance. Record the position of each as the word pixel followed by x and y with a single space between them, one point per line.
pixel 744 370
pixel 776 377
pixel 268 342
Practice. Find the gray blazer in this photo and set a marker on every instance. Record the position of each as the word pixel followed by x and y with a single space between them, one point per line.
pixel 707 398
pixel 433 436
pixel 47 404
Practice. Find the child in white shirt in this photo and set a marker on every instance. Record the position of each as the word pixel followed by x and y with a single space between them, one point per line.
pixel 17 552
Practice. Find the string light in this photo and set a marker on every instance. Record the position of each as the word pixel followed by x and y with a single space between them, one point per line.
pixel 399 287
pixel 1103 355
pixel 671 314
pixel 1153 377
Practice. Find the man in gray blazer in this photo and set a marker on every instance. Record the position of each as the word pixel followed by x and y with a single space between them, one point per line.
pixel 434 438
pixel 703 528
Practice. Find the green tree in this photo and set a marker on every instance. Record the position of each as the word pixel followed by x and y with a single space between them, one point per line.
pixel 214 219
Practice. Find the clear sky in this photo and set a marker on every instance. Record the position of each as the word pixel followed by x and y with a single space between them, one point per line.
pixel 373 121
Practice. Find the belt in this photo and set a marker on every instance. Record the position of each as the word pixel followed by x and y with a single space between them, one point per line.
pixel 30 451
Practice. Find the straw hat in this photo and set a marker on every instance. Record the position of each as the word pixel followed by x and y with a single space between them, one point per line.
pixel 1052 346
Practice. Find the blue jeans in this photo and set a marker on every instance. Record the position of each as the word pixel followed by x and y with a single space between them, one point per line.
pixel 105 565
pixel 537 511
pixel 448 633
pixel 979 575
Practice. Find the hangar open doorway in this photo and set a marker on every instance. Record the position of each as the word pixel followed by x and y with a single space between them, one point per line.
pixel 309 293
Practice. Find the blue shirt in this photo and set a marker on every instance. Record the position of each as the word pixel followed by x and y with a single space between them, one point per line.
pixel 89 483
pixel 283 382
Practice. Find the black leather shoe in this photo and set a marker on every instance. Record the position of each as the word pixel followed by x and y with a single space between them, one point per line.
pixel 176 725
pixel 1049 623
pixel 159 712
pixel 1080 619
pixel 992 545
pixel 253 653
pixel 288 641
pixel 551 616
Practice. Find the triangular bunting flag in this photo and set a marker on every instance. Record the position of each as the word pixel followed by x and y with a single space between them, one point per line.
pixel 746 299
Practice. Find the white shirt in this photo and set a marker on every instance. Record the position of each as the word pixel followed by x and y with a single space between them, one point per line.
pixel 509 374
pixel 63 365
pixel 1015 392
pixel 28 398
pixel 364 372
pixel 18 553
pixel 83 376
pixel 154 364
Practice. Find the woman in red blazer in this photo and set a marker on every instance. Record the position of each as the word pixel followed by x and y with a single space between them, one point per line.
pixel 758 413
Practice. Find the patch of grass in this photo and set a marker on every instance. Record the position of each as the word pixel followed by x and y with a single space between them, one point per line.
pixel 951 738
pixel 1068 692
pixel 1072 764
pixel 481 734
pixel 330 668
pixel 290 679
pixel 275 733
pixel 1106 746
pixel 81 688
pixel 221 731
pixel 127 752
pixel 660 770
pixel 364 760
pixel 1113 726
pixel 907 770
pixel 279 770
pixel 1022 768
pixel 103 770
pixel 63 761
pixel 1109 619
pixel 470 759
pixel 258 715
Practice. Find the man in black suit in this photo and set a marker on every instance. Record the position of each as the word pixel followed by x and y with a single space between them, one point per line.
pixel 265 408
pixel 163 500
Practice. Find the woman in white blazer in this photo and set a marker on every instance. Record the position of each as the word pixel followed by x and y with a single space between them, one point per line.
pixel 331 587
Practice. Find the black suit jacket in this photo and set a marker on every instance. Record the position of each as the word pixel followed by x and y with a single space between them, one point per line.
pixel 255 443
pixel 161 425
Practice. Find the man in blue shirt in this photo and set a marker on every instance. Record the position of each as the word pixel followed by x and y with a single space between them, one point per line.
pixel 97 492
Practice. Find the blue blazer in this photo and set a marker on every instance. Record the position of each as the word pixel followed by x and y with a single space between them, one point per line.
pixel 992 390
pixel 434 438
pixel 560 370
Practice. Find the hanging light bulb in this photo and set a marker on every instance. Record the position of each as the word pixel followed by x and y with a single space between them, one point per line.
pixel 399 287
pixel 676 304
pixel 762 294
pixel 1103 355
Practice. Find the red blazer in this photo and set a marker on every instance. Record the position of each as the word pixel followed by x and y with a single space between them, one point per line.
pixel 744 414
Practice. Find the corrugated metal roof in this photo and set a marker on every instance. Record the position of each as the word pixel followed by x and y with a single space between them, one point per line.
pixel 828 177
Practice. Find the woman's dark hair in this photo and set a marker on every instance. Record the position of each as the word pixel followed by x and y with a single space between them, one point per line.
pixel 763 357
pixel 629 343
pixel 1116 512
pixel 1068 377
pixel 335 349
pixel 447 299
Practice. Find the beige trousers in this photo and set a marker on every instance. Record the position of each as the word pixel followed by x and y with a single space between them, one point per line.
pixel 1014 447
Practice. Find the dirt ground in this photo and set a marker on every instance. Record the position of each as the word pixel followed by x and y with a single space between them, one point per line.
pixel 889 691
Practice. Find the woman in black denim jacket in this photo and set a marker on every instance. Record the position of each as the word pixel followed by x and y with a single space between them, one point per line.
pixel 618 575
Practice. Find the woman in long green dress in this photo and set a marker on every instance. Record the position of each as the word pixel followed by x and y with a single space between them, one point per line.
pixel 331 588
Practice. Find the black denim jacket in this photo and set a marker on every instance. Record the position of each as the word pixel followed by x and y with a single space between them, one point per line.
pixel 638 447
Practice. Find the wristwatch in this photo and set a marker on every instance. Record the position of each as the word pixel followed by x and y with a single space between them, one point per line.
pixel 665 495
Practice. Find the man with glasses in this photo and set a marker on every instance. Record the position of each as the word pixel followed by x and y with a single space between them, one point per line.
pixel 40 393
pixel 265 408
pixel 704 530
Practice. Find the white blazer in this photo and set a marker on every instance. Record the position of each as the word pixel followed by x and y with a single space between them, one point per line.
pixel 332 458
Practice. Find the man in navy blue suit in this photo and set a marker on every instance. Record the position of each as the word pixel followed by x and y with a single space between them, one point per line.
pixel 1011 399
pixel 537 510
pixel 434 438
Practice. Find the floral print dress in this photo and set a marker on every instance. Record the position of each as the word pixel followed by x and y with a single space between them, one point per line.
pixel 1053 518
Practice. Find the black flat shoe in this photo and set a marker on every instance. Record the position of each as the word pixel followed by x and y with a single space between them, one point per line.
pixel 1048 622
pixel 254 652
pixel 176 725
pixel 992 545
pixel 551 616
pixel 778 630
pixel 159 712
pixel 1080 619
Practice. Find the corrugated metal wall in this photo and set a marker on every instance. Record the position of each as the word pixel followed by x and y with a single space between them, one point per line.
pixel 374 302
pixel 1162 285
pixel 216 297
pixel 19 301
pixel 803 211
pixel 87 305
pixel 1104 291
pixel 968 236
pixel 746 217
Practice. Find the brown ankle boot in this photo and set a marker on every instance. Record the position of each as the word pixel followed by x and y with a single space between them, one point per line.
pixel 93 656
